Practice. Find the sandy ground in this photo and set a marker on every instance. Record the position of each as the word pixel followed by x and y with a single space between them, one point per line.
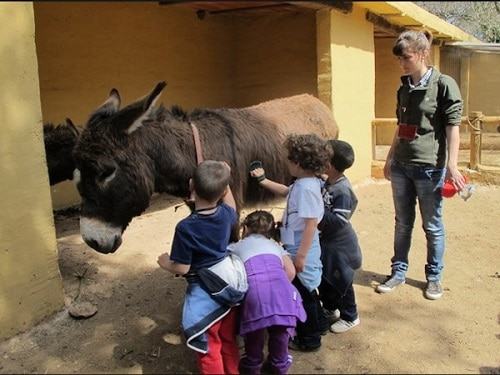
pixel 136 328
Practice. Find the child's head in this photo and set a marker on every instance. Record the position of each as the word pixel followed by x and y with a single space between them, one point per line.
pixel 309 151
pixel 343 155
pixel 259 222
pixel 211 179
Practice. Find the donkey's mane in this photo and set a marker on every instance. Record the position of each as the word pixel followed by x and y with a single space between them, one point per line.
pixel 180 114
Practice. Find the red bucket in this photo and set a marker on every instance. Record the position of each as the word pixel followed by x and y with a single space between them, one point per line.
pixel 448 189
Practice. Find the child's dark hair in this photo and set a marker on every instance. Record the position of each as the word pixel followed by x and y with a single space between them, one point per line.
pixel 211 179
pixel 309 151
pixel 412 41
pixel 343 155
pixel 260 222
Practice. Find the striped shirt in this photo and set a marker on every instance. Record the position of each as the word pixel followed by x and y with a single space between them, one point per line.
pixel 423 81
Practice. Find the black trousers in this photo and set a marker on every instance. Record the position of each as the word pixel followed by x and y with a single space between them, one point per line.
pixel 339 293
pixel 309 332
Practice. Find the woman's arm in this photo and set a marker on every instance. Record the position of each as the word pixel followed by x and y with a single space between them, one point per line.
pixel 305 243
pixel 388 159
pixel 453 142
pixel 451 107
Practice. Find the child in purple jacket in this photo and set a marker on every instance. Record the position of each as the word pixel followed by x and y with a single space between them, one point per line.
pixel 272 303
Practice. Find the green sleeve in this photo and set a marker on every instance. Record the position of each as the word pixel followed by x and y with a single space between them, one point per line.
pixel 450 101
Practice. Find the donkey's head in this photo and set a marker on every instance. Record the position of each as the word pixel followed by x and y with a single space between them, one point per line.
pixel 59 143
pixel 114 175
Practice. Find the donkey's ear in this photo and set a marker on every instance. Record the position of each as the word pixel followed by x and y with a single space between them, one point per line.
pixel 111 105
pixel 153 97
pixel 131 117
pixel 106 109
pixel 72 127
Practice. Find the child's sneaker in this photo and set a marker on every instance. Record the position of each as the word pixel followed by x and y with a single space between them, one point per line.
pixel 332 316
pixel 342 325
pixel 390 284
pixel 297 345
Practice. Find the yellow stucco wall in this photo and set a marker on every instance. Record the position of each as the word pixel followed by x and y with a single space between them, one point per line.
pixel 484 83
pixel 86 48
pixel 274 56
pixel 353 84
pixel 324 56
pixel 30 283
pixel 388 76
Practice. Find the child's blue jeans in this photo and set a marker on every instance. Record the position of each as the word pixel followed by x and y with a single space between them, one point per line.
pixel 411 182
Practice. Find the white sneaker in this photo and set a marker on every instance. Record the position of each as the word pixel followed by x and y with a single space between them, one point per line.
pixel 389 285
pixel 342 325
pixel 433 290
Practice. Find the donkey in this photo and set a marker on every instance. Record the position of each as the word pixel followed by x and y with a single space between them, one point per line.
pixel 59 143
pixel 125 155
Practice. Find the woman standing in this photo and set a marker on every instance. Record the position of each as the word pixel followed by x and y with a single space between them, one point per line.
pixel 423 153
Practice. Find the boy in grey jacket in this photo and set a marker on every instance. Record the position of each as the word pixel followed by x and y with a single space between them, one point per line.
pixel 340 251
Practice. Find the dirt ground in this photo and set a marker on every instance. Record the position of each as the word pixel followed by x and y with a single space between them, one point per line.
pixel 137 329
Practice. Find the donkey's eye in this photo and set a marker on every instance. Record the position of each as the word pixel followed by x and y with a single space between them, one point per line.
pixel 106 173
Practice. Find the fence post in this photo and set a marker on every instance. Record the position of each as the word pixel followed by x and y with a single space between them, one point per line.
pixel 475 139
pixel 374 140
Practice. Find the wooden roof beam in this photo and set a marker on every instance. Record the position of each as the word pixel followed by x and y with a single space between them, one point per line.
pixel 383 24
pixel 230 6
pixel 252 8
pixel 342 6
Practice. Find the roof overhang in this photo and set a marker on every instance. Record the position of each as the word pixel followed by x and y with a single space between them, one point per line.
pixel 476 47
pixel 389 17
pixel 218 7
pixel 395 16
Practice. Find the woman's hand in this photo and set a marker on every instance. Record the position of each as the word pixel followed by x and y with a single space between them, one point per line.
pixel 387 169
pixel 456 178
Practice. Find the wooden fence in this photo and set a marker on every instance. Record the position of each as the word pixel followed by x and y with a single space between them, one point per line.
pixel 476 123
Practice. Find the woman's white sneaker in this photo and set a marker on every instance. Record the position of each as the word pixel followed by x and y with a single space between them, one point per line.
pixel 389 285
pixel 342 325
pixel 433 290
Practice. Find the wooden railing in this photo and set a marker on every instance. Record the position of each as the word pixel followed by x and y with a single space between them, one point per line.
pixel 475 124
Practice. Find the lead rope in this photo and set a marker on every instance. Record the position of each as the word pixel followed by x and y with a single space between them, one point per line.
pixel 197 143
pixel 189 201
